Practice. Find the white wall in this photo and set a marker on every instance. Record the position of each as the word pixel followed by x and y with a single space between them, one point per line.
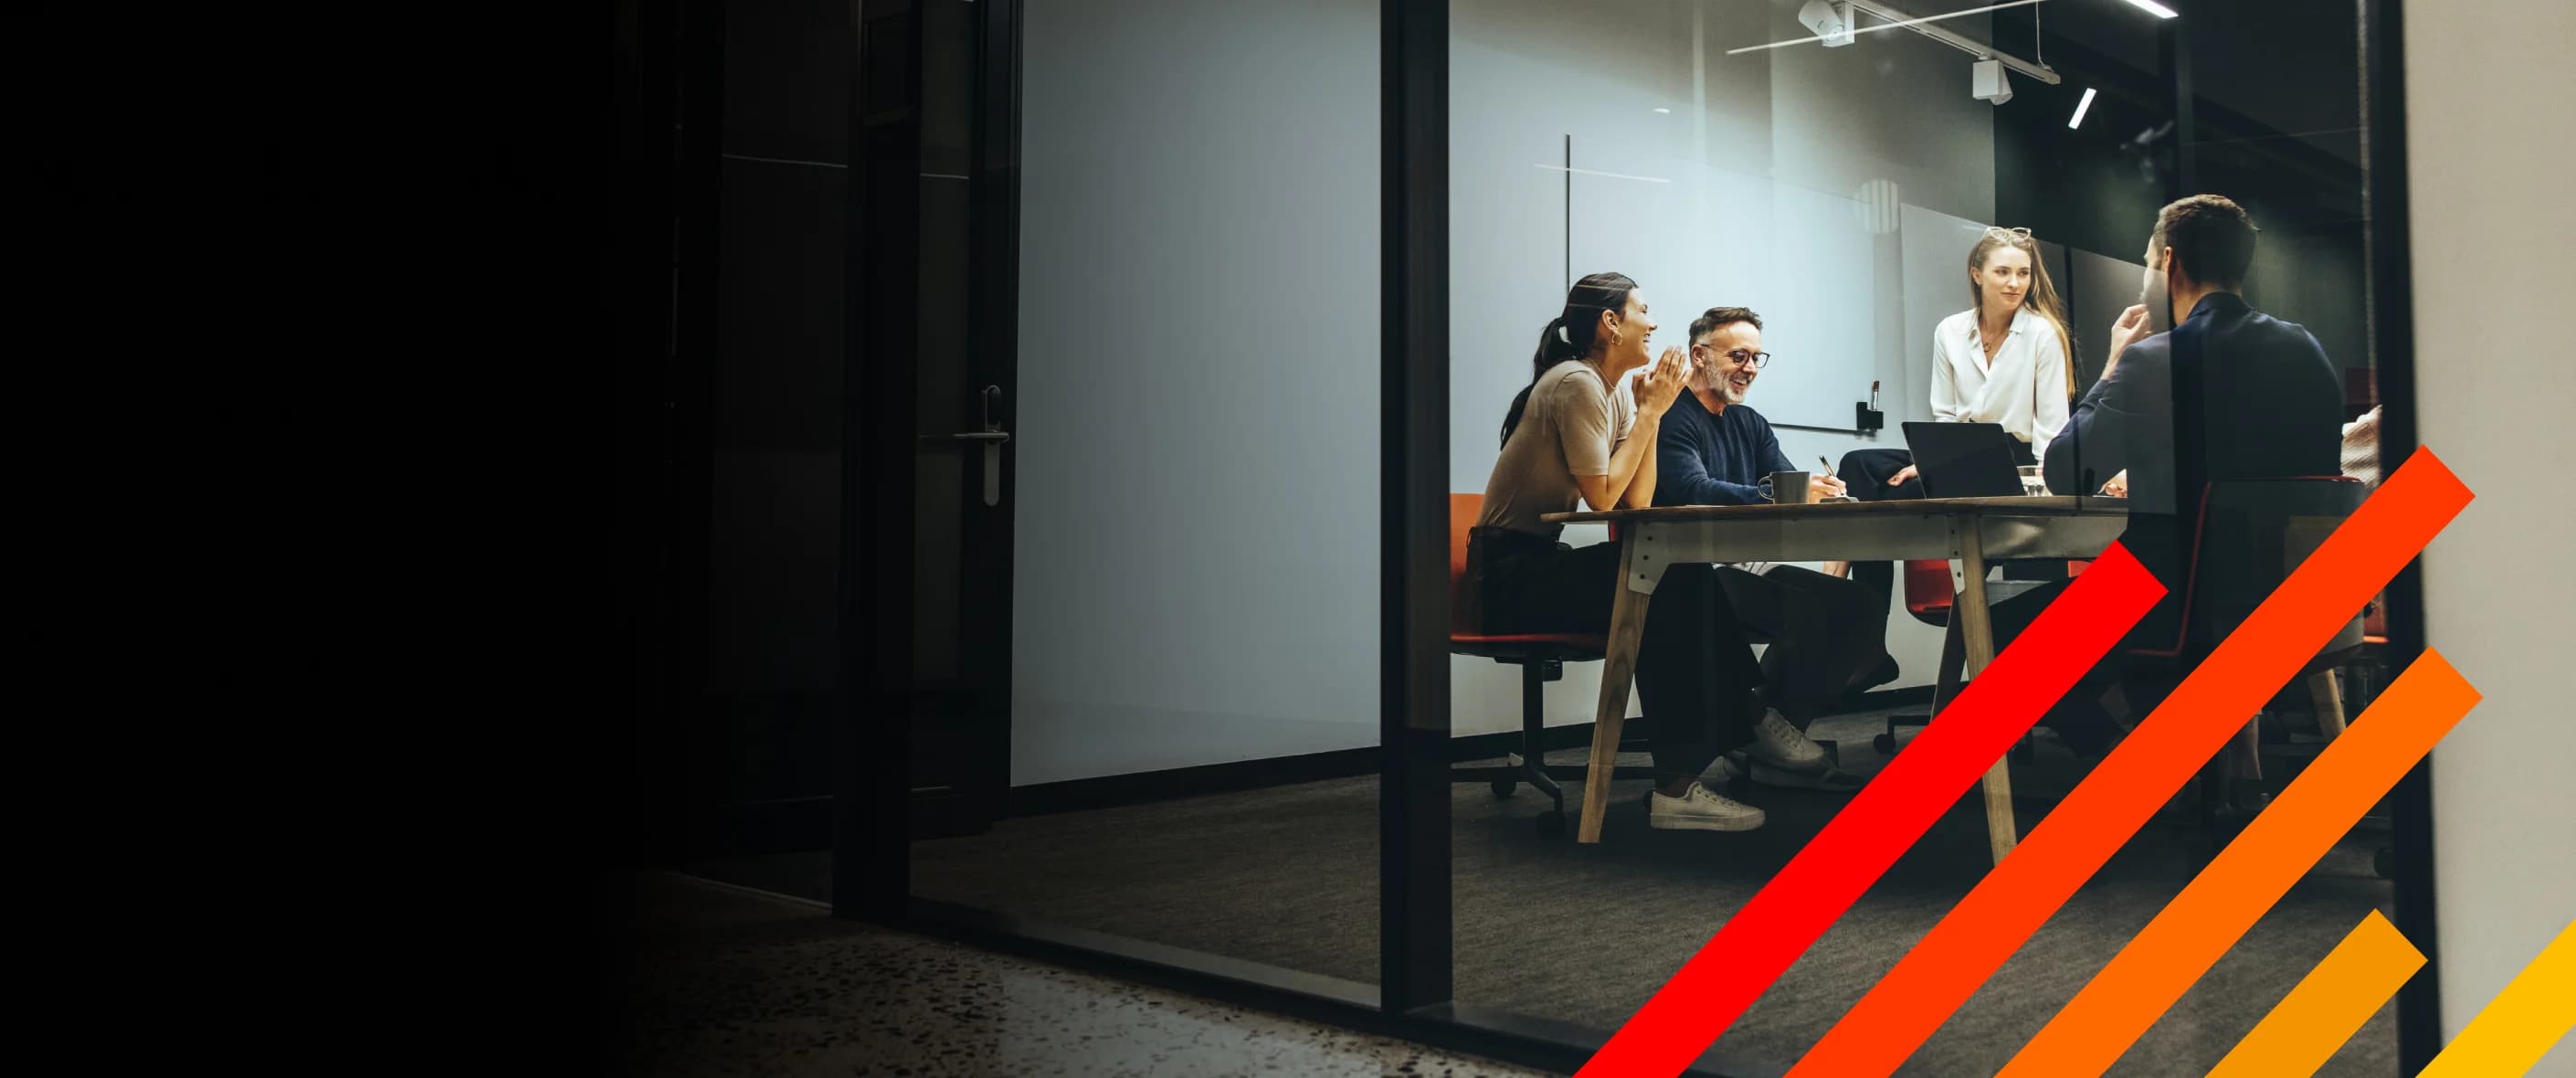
pixel 1197 565
pixel 2489 137
pixel 1781 172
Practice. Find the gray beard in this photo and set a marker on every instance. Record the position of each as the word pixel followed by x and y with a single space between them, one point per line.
pixel 1709 381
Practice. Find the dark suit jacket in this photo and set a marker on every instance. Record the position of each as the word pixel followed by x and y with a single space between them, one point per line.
pixel 2230 393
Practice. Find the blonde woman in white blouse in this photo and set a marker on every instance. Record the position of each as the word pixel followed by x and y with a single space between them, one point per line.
pixel 2008 359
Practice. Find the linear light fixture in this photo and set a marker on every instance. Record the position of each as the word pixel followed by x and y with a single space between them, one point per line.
pixel 2080 106
pixel 1610 175
pixel 1897 19
pixel 2151 7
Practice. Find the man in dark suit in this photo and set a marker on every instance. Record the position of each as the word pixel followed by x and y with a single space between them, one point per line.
pixel 2229 393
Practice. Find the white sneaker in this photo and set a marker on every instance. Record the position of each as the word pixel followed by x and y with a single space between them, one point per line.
pixel 1700 810
pixel 1828 779
pixel 1780 745
pixel 1721 771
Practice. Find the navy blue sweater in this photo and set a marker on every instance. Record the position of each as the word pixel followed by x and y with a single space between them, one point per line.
pixel 1703 459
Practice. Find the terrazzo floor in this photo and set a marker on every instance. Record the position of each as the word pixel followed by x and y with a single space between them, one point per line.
pixel 707 979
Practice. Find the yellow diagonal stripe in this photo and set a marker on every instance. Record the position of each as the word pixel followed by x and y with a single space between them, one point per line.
pixel 2328 1006
pixel 2520 1024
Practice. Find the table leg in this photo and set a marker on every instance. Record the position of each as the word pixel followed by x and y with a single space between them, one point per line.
pixel 1977 627
pixel 1618 665
pixel 2327 692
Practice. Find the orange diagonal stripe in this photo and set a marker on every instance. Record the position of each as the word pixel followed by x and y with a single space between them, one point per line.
pixel 2328 1006
pixel 2070 844
pixel 2142 982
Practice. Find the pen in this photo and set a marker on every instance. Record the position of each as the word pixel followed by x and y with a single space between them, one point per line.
pixel 1873 395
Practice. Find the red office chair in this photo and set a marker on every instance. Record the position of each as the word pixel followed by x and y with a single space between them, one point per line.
pixel 2360 676
pixel 1929 596
pixel 2251 535
pixel 1541 657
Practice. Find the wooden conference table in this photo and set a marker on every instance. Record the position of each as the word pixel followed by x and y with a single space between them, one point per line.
pixel 1968 532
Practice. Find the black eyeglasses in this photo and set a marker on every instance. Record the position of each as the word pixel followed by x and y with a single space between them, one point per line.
pixel 1740 357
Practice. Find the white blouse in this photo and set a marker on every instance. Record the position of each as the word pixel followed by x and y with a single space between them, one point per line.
pixel 2023 387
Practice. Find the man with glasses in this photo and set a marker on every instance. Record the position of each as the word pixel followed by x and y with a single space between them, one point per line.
pixel 1828 635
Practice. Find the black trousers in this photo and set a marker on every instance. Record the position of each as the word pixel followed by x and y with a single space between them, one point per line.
pixel 2078 717
pixel 1695 672
pixel 1865 473
pixel 1824 631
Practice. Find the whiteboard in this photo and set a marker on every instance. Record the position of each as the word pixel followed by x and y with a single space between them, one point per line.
pixel 1843 303
pixel 1696 236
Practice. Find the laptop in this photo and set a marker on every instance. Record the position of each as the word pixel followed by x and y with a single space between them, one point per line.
pixel 1964 460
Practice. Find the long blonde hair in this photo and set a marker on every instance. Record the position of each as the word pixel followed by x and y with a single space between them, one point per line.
pixel 2040 300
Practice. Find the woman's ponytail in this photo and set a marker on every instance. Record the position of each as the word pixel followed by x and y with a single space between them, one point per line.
pixel 1553 349
pixel 1570 335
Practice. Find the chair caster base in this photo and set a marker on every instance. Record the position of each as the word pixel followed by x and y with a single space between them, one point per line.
pixel 1505 787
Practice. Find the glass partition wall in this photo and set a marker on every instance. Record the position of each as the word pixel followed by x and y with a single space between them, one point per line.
pixel 1188 334
pixel 1815 189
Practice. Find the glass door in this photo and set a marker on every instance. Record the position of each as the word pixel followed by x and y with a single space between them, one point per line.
pixel 927 489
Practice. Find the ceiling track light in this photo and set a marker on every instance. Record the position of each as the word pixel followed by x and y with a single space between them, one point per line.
pixel 1987 82
pixel 1969 45
pixel 1830 19
pixel 1833 22
pixel 2151 7
pixel 2078 119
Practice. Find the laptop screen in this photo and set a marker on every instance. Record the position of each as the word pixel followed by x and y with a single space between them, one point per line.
pixel 1964 460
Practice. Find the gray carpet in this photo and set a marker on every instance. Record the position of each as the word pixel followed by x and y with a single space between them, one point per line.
pixel 699 980
pixel 1288 877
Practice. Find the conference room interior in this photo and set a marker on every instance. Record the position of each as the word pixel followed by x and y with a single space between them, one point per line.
pixel 1104 539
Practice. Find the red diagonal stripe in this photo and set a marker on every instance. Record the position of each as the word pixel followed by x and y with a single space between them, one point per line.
pixel 1882 821
pixel 1999 915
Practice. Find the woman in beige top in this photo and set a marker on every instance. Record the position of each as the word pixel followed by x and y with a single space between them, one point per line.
pixel 1578 434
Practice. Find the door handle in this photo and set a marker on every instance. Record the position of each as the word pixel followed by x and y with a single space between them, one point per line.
pixel 992 436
